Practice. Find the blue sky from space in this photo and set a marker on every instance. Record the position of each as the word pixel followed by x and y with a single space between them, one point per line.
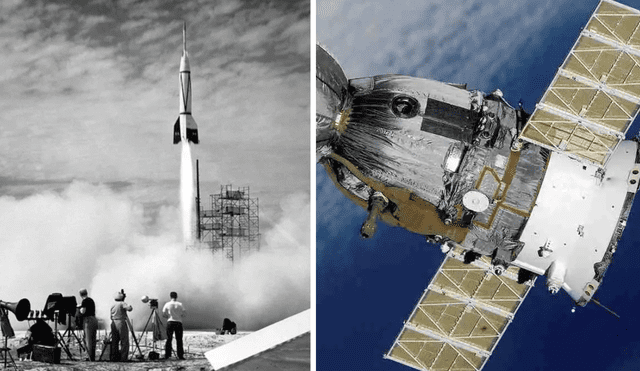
pixel 366 289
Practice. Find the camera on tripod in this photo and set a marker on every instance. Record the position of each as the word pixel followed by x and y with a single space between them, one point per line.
pixel 153 303
pixel 65 306
pixel 156 328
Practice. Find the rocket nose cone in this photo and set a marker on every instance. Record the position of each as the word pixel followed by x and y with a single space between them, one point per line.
pixel 331 95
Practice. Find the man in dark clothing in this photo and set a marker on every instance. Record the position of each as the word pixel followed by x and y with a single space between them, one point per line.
pixel 39 333
pixel 228 327
pixel 90 323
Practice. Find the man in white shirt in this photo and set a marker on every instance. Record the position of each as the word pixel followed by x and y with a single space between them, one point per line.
pixel 174 311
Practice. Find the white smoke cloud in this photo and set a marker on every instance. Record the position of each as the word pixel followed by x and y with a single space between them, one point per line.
pixel 89 236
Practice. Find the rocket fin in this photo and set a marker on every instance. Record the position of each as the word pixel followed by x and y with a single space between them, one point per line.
pixel 192 130
pixel 176 131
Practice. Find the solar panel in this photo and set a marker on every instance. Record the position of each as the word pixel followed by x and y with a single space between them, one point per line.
pixel 460 317
pixel 595 95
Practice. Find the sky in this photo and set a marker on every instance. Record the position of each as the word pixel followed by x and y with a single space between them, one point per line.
pixel 89 175
pixel 513 46
pixel 90 92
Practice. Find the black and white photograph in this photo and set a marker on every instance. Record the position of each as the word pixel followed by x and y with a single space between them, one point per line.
pixel 155 185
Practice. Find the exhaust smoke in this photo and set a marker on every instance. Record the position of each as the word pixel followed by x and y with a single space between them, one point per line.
pixel 90 236
pixel 187 195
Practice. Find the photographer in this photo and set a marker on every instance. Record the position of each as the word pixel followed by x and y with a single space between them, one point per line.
pixel 174 311
pixel 89 323
pixel 119 328
pixel 40 333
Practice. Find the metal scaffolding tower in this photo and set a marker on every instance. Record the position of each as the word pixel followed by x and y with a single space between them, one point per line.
pixel 231 225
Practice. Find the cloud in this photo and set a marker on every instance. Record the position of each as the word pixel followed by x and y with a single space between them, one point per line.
pixel 90 236
pixel 459 41
pixel 90 91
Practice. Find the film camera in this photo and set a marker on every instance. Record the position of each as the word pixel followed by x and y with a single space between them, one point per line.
pixel 120 295
pixel 64 305
pixel 153 303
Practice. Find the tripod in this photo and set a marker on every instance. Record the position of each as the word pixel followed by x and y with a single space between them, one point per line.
pixel 59 337
pixel 7 351
pixel 70 331
pixel 7 332
pixel 109 339
pixel 156 328
pixel 135 340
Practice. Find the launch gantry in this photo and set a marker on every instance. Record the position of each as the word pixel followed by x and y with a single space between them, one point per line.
pixel 231 225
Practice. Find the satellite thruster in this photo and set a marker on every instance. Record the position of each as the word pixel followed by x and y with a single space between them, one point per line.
pixel 508 195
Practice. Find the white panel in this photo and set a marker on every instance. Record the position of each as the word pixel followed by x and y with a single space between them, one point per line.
pixel 575 216
pixel 259 341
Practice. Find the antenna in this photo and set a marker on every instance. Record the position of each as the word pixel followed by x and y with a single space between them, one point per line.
pixel 594 300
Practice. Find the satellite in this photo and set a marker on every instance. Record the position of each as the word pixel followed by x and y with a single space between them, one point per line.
pixel 508 195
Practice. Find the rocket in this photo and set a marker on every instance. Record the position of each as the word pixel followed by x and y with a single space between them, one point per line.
pixel 185 127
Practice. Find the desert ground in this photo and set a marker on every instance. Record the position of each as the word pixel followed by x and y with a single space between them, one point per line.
pixel 293 355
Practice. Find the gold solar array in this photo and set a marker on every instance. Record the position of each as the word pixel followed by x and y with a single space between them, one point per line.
pixel 595 95
pixel 460 317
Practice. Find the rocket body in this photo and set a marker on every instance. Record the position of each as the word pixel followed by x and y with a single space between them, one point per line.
pixel 185 128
